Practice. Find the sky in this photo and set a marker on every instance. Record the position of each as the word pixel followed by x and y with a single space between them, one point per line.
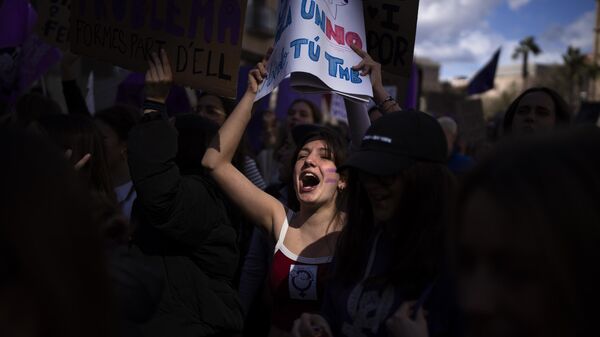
pixel 462 35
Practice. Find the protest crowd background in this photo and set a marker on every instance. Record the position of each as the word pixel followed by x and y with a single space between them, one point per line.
pixel 285 168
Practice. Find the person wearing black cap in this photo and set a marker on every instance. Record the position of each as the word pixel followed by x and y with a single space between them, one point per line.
pixel 390 250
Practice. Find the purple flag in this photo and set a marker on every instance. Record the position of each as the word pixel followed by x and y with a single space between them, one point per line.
pixel 14 23
pixel 413 92
pixel 38 57
pixel 484 79
pixel 24 57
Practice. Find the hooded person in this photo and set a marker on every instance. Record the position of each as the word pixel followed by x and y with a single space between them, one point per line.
pixel 183 220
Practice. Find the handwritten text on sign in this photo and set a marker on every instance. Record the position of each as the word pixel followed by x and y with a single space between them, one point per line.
pixel 53 22
pixel 391 27
pixel 313 36
pixel 202 38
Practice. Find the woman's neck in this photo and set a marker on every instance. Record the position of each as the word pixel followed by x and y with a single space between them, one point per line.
pixel 320 219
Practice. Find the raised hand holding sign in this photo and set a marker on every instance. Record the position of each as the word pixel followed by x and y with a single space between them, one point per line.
pixel 312 43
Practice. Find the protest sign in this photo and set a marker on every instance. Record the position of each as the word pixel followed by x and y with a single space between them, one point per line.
pixel 312 43
pixel 338 108
pixel 53 22
pixel 17 19
pixel 391 26
pixel 202 38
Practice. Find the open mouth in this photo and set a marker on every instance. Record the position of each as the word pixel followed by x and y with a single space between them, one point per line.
pixel 309 181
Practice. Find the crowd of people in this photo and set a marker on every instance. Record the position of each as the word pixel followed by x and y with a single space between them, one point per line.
pixel 141 221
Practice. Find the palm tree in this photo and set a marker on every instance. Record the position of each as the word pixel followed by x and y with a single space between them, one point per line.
pixel 526 46
pixel 575 65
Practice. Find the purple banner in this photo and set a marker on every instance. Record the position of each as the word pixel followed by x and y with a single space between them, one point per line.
pixel 38 57
pixel 16 23
pixel 412 93
pixel 25 57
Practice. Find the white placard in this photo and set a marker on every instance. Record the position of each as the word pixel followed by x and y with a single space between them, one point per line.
pixel 312 43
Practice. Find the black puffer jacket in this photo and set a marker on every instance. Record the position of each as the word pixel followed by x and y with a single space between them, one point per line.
pixel 183 219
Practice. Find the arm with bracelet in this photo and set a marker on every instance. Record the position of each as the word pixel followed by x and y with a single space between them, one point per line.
pixel 388 105
pixel 368 66
pixel 384 101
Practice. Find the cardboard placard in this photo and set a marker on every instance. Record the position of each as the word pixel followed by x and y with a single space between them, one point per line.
pixel 391 26
pixel 53 22
pixel 203 38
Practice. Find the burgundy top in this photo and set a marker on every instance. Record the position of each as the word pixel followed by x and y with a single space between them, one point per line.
pixel 297 283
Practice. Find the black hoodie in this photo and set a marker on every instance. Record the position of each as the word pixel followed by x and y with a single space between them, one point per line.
pixel 183 220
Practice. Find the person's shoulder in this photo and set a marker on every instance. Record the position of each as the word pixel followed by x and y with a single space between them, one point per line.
pixel 201 186
pixel 207 198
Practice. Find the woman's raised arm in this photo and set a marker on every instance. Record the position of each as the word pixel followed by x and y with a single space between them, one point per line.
pixel 260 207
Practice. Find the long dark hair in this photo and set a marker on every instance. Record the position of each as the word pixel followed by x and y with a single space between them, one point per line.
pixel 549 185
pixel 338 150
pixel 81 135
pixel 121 118
pixel 563 113
pixel 53 264
pixel 427 189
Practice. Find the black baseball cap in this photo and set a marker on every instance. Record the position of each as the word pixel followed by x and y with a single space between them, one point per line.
pixel 398 140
